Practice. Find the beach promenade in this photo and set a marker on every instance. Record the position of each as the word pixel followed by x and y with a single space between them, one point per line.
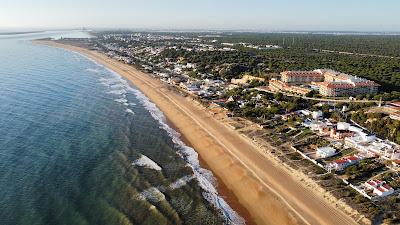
pixel 269 192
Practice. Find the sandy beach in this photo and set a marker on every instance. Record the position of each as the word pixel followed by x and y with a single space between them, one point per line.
pixel 268 192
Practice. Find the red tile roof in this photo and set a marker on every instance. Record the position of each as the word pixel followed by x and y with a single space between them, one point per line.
pixel 340 161
pixel 302 73
pixel 374 182
pixel 353 158
pixel 339 85
pixel 387 186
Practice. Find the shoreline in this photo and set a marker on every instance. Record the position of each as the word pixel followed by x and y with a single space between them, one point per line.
pixel 269 193
pixel 223 190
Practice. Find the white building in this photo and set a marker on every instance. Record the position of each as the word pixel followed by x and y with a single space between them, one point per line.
pixel 373 146
pixel 325 152
pixel 343 126
pixel 380 188
pixel 317 115
pixel 341 164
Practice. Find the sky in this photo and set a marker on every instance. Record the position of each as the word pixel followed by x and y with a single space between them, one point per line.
pixel 264 15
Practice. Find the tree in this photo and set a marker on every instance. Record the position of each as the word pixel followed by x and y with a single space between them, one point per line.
pixel 278 96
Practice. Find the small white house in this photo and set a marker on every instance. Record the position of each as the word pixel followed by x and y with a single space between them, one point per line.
pixel 317 115
pixel 343 126
pixel 325 152
pixel 380 188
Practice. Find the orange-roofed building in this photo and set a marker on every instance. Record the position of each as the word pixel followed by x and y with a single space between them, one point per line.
pixel 332 83
pixel 301 76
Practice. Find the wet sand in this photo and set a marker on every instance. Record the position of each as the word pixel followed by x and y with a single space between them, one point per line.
pixel 223 190
pixel 267 191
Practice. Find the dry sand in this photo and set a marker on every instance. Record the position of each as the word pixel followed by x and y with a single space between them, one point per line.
pixel 269 192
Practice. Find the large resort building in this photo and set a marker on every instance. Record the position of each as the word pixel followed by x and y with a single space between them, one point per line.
pixel 276 85
pixel 301 76
pixel 329 83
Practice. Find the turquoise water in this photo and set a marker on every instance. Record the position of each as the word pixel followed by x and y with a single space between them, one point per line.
pixel 79 145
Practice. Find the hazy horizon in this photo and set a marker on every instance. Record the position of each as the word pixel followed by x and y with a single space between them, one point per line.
pixel 211 31
pixel 253 15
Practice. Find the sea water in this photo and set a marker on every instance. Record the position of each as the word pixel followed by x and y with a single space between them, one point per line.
pixel 80 145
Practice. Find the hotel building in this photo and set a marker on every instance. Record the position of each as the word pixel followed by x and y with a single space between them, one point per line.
pixel 277 85
pixel 332 83
pixel 302 76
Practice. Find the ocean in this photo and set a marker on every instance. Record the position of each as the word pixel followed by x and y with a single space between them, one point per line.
pixel 80 145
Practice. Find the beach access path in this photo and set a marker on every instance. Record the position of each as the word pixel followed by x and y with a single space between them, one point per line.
pixel 270 193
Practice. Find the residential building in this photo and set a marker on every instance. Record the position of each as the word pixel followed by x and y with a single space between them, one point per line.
pixel 373 146
pixel 317 115
pixel 325 152
pixel 340 134
pixel 379 188
pixel 342 163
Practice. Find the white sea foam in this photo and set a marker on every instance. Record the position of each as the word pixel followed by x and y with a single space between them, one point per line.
pixel 151 194
pixel 117 92
pixel 146 162
pixel 108 81
pixel 130 111
pixel 121 100
pixel 181 182
pixel 93 70
pixel 76 58
pixel 118 86
pixel 204 177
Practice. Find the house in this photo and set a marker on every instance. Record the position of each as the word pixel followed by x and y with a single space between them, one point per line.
pixel 305 112
pixel 379 188
pixel 341 131
pixel 317 126
pixel 342 163
pixel 342 126
pixel 325 152
pixel 373 146
pixel 317 115
pixel 340 134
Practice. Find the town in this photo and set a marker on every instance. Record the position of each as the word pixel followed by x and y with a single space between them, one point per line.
pixel 339 131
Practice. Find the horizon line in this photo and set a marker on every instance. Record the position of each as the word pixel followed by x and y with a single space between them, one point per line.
pixel 201 30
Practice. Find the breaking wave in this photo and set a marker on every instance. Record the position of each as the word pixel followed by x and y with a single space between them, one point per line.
pixel 120 87
pixel 204 177
pixel 181 182
pixel 146 162
pixel 93 70
pixel 130 111
pixel 151 194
